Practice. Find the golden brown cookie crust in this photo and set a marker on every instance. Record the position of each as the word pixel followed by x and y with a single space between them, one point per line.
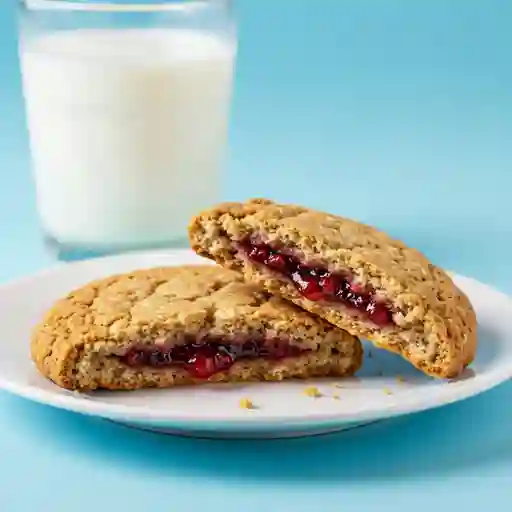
pixel 435 322
pixel 75 343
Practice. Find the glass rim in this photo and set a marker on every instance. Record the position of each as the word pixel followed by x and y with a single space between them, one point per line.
pixel 121 6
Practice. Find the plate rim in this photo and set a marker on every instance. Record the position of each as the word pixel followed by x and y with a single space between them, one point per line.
pixel 76 402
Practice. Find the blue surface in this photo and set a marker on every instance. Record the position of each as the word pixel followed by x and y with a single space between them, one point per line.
pixel 395 112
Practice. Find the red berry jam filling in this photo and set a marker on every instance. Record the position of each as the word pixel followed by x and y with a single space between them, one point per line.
pixel 213 355
pixel 316 283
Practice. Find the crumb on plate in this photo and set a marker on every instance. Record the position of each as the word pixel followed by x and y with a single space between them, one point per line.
pixel 313 392
pixel 245 403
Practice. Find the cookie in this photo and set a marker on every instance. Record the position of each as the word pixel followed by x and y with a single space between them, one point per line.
pixel 352 275
pixel 184 325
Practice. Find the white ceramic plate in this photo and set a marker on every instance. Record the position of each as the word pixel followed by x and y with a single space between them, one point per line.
pixel 386 386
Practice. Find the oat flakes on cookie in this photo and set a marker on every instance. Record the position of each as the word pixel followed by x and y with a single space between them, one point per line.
pixel 184 325
pixel 350 274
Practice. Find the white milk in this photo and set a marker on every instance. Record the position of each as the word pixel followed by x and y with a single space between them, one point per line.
pixel 127 131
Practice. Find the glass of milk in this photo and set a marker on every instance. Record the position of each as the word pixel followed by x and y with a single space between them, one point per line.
pixel 127 108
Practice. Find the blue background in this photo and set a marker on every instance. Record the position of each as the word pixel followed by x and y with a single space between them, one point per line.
pixel 396 112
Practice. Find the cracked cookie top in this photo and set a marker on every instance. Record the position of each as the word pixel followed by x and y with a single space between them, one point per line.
pixel 147 304
pixel 367 251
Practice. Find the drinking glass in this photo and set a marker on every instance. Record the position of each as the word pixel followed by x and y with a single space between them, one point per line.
pixel 127 107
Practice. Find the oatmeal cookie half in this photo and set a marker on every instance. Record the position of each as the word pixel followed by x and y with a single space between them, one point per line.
pixel 351 274
pixel 184 325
